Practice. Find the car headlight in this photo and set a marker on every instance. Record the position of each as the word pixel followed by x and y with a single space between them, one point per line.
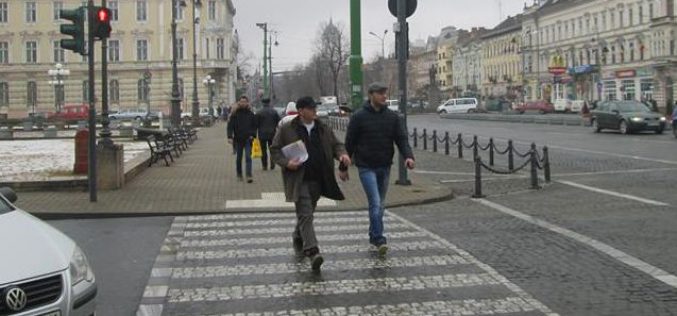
pixel 637 119
pixel 79 267
pixel 662 118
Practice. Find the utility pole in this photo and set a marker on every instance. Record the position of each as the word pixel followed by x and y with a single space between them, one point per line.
pixel 270 66
pixel 355 61
pixel 105 121
pixel 91 151
pixel 197 5
pixel 264 26
pixel 176 95
pixel 402 54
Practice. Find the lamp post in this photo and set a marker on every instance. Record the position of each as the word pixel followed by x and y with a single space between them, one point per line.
pixel 57 75
pixel 264 27
pixel 197 5
pixel 383 51
pixel 176 95
pixel 209 83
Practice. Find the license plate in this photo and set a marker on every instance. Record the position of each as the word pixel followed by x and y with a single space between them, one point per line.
pixel 653 124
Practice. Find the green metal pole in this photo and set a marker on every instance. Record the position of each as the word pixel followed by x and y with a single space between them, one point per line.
pixel 356 87
pixel 265 59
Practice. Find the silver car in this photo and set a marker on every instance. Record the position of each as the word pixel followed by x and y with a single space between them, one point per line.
pixel 43 272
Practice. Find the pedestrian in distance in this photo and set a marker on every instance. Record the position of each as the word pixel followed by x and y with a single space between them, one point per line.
pixel 241 131
pixel 305 180
pixel 370 136
pixel 267 120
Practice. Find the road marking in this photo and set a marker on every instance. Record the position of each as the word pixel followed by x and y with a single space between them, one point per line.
pixel 612 193
pixel 483 179
pixel 201 242
pixel 444 172
pixel 594 173
pixel 282 230
pixel 621 256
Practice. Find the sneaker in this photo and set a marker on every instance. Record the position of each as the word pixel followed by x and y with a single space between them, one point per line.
pixel 382 250
pixel 298 244
pixel 250 180
pixel 316 262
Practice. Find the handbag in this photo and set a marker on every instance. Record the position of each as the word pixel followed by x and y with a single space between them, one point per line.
pixel 256 148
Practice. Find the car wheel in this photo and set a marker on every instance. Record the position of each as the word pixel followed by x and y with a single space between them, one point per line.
pixel 659 131
pixel 443 112
pixel 541 112
pixel 138 118
pixel 595 126
pixel 623 127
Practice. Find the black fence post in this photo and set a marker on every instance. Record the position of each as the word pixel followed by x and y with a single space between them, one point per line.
pixel 415 138
pixel 460 146
pixel 475 145
pixel 546 164
pixel 511 158
pixel 534 170
pixel 446 143
pixel 478 179
pixel 491 151
pixel 425 139
pixel 435 141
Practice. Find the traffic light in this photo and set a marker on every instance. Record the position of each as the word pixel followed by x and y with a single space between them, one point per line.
pixel 101 27
pixel 77 30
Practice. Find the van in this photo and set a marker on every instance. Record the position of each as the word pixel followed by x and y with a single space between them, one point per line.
pixel 72 112
pixel 393 105
pixel 463 105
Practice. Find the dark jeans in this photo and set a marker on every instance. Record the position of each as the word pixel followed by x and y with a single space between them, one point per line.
pixel 265 144
pixel 243 147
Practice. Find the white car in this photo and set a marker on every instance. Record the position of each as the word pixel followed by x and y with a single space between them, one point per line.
pixel 393 105
pixel 42 271
pixel 463 105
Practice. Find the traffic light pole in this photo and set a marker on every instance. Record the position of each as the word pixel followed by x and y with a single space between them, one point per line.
pixel 356 89
pixel 176 95
pixel 402 54
pixel 91 148
pixel 105 122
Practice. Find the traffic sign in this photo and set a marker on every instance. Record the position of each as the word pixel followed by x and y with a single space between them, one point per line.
pixel 411 7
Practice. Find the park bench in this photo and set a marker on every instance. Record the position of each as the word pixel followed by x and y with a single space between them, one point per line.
pixel 158 149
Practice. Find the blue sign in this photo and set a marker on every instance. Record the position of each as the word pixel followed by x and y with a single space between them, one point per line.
pixel 582 69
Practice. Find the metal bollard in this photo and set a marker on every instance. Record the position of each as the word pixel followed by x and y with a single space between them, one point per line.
pixel 546 164
pixel 446 143
pixel 511 158
pixel 478 179
pixel 491 151
pixel 475 150
pixel 534 170
pixel 425 139
pixel 435 141
pixel 415 138
pixel 460 145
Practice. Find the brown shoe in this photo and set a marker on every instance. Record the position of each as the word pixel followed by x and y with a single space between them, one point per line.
pixel 316 262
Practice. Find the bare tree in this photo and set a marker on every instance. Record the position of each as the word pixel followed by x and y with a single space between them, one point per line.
pixel 333 50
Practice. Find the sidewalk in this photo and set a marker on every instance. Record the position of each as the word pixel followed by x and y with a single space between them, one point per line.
pixel 203 181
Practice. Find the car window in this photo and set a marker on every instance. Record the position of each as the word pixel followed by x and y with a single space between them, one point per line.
pixel 632 107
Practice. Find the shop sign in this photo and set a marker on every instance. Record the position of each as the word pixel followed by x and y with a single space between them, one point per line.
pixel 582 69
pixel 608 74
pixel 645 72
pixel 626 73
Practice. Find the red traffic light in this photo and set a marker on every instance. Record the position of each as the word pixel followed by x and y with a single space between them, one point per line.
pixel 103 15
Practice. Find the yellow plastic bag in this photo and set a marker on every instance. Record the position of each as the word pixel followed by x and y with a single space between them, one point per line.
pixel 256 148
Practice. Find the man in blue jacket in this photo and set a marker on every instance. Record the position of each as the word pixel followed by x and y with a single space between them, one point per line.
pixel 372 131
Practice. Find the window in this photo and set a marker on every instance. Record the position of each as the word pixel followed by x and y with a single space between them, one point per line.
pixel 4 53
pixel 31 14
pixel 31 94
pixel 58 52
pixel 628 88
pixel 612 19
pixel 650 10
pixel 141 50
pixel 4 94
pixel 181 87
pixel 613 54
pixel 212 10
pixel 113 50
pixel 641 14
pixel 58 6
pixel 587 26
pixel 179 48
pixel 610 90
pixel 113 7
pixel 31 52
pixel 207 47
pixel 630 17
pixel 573 28
pixel 219 48
pixel 620 18
pixel 179 11
pixel 141 10
pixel 3 12
pixel 114 91
pixel 632 51
pixel 85 91
pixel 604 21
pixel 142 90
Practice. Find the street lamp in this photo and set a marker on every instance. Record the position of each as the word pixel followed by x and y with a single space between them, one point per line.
pixel 210 82
pixel 383 51
pixel 57 76
pixel 176 95
pixel 197 5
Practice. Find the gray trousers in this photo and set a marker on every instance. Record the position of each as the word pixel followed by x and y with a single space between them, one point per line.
pixel 305 208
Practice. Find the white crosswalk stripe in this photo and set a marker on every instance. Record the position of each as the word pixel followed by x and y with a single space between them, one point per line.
pixel 219 263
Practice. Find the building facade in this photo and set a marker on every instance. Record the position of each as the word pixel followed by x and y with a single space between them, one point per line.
pixel 139 54
pixel 446 42
pixel 467 64
pixel 501 64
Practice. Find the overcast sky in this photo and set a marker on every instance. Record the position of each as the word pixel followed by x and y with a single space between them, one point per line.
pixel 297 23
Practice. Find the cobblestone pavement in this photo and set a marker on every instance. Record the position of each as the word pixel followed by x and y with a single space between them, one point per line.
pixel 243 264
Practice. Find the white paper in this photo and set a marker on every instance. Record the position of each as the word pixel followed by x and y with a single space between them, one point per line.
pixel 296 151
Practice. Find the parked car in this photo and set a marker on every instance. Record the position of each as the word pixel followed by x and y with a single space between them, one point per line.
pixel 133 114
pixel 540 106
pixel 498 105
pixel 325 110
pixel 42 271
pixel 627 117
pixel 463 105
pixel 393 105
pixel 72 112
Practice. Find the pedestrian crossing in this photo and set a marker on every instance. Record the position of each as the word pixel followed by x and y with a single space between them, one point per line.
pixel 244 265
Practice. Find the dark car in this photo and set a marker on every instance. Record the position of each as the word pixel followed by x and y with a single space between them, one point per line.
pixel 497 105
pixel 540 106
pixel 627 117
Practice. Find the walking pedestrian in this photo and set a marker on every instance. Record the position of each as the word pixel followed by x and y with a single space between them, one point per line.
pixel 372 130
pixel 267 120
pixel 305 180
pixel 242 130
